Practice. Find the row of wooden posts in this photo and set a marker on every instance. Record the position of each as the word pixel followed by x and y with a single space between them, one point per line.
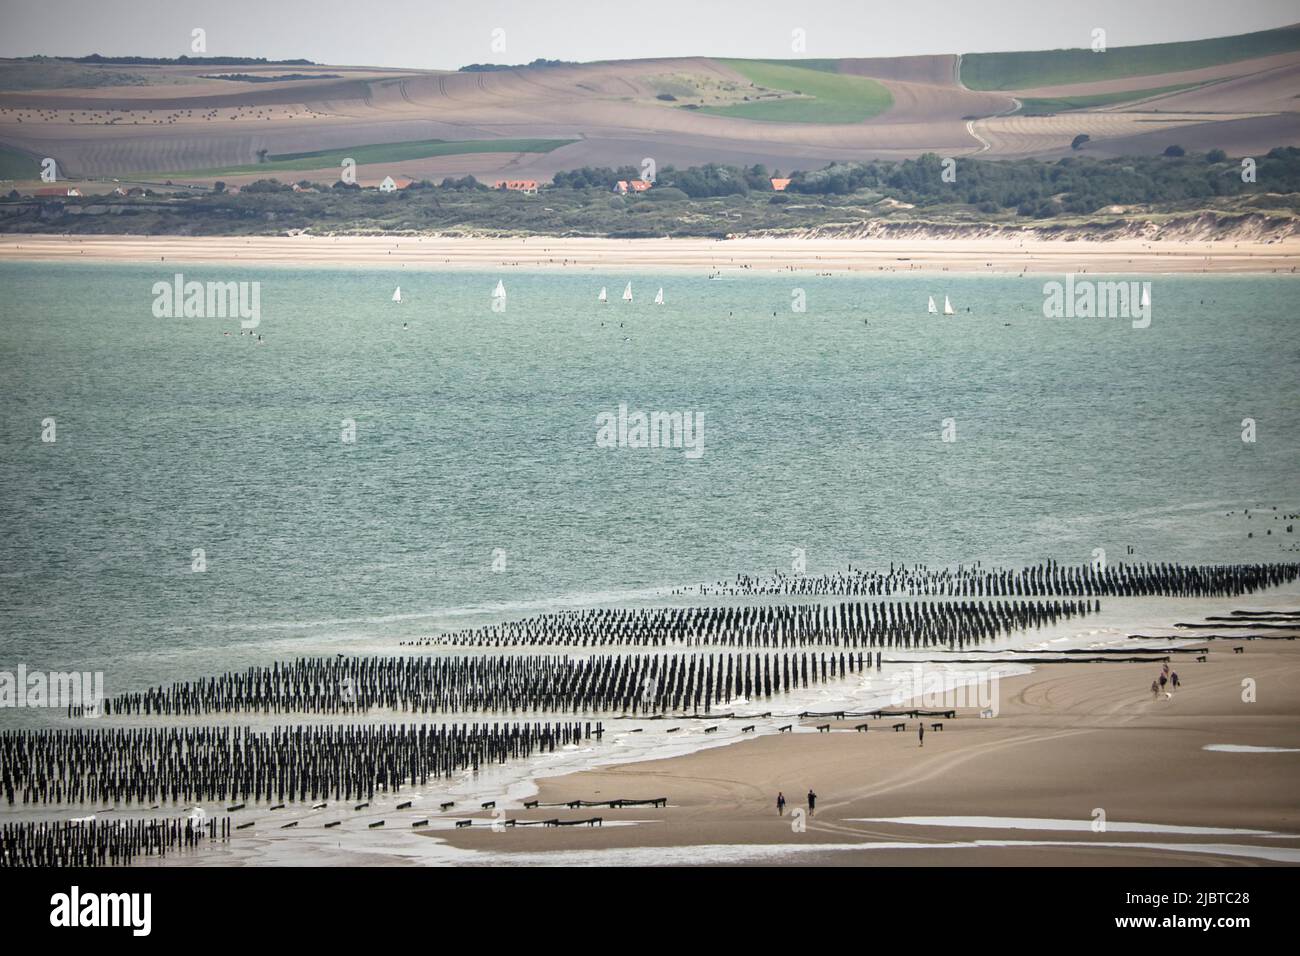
pixel 90 843
pixel 849 624
pixel 1093 579
pixel 500 684
pixel 152 765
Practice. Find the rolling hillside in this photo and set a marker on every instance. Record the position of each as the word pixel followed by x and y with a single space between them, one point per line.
pixel 191 122
pixel 1018 71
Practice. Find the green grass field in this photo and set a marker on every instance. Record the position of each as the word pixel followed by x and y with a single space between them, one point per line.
pixel 371 153
pixel 1037 106
pixel 1019 71
pixel 16 165
pixel 825 96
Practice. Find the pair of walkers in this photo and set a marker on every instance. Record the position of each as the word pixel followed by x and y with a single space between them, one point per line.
pixel 780 801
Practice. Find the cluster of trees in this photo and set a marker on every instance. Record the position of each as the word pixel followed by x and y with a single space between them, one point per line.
pixel 264 186
pixel 1077 185
pixel 182 60
pixel 696 182
pixel 458 185
pixel 1033 188
pixel 275 186
pixel 713 179
pixel 594 177
pixel 273 78
pixel 492 67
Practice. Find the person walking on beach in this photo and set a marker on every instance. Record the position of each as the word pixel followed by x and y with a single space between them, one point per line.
pixel 920 732
pixel 1173 679
pixel 1163 681
pixel 812 800
pixel 780 804
pixel 1155 689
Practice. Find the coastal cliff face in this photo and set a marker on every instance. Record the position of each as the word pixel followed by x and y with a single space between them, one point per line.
pixel 1195 227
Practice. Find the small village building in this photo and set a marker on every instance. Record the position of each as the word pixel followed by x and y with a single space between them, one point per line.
pixel 625 186
pixel 526 186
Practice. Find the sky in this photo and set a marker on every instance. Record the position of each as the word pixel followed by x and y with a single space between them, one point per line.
pixel 436 34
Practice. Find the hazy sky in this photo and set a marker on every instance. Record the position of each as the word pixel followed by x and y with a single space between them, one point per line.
pixel 445 35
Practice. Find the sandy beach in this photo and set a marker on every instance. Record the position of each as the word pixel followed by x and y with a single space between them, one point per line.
pixel 1070 742
pixel 835 256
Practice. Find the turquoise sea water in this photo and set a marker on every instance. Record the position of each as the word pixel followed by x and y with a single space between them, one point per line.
pixel 476 431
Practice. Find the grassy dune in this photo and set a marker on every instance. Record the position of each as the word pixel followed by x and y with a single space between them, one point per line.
pixel 1020 71
pixel 822 96
pixel 376 153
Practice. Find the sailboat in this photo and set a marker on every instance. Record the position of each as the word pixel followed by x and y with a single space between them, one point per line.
pixel 397 294
pixel 602 297
pixel 1146 297
pixel 947 306
pixel 931 308
pixel 500 291
pixel 659 297
pixel 627 293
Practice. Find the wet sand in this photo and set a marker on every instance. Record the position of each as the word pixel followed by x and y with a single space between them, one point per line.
pixel 1123 256
pixel 1069 740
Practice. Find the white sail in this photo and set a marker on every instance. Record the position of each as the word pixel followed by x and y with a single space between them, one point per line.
pixel 500 291
pixel 931 308
pixel 1146 297
pixel 397 294
pixel 602 297
pixel 947 306
pixel 627 293
pixel 659 297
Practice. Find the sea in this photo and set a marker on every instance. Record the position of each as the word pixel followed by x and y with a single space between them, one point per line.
pixel 187 494
pixel 183 496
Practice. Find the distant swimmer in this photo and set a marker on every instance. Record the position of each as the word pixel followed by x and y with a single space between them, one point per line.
pixel 404 325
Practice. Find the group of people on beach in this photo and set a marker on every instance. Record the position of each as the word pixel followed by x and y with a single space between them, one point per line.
pixel 1168 679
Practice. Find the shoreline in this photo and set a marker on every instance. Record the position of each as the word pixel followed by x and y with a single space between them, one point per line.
pixel 1023 788
pixel 1066 739
pixel 769 256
